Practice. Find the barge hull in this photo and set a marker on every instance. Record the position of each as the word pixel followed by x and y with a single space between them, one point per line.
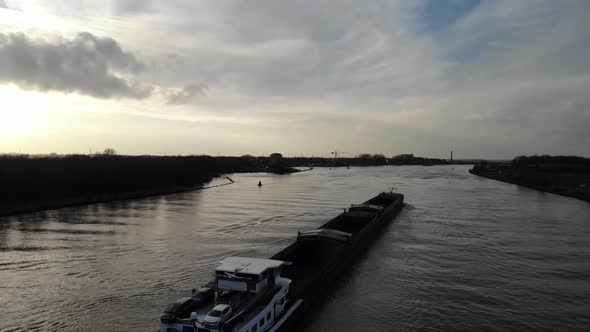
pixel 323 265
pixel 312 265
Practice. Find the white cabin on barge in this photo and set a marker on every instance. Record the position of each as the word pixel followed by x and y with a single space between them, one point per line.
pixel 250 296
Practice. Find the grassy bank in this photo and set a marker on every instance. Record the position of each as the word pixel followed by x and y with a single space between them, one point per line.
pixel 38 183
pixel 566 176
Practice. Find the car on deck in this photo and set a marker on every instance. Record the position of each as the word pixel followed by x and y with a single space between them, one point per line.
pixel 219 314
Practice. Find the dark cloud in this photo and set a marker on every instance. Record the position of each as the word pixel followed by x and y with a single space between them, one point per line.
pixel 86 64
pixel 184 95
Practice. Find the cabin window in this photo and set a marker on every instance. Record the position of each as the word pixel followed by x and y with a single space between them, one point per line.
pixel 268 316
pixel 262 322
pixel 254 328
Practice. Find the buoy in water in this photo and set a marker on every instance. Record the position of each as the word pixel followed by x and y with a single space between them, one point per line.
pixel 260 183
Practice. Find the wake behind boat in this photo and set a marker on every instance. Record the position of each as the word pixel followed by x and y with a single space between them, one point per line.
pixel 258 295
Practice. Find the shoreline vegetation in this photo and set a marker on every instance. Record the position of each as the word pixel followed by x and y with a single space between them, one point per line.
pixel 562 175
pixel 35 183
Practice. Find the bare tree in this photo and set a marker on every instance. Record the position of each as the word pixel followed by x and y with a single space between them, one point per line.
pixel 109 152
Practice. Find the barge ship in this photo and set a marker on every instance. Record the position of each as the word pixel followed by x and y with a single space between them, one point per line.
pixel 259 295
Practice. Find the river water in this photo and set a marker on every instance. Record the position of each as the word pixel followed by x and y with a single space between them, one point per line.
pixel 465 253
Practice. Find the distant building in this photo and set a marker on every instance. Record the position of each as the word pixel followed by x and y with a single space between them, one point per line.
pixel 276 159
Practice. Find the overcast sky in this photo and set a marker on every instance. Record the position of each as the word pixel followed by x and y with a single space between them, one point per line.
pixel 487 79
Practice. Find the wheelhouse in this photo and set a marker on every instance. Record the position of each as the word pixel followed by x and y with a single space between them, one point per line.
pixel 247 274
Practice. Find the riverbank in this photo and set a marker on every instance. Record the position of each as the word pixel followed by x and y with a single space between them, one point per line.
pixel 364 160
pixel 565 176
pixel 50 204
pixel 30 184
pixel 36 183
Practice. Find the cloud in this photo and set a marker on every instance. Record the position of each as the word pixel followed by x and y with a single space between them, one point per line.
pixel 519 66
pixel 87 64
pixel 183 95
pixel 302 50
pixel 490 80
pixel 132 6
pixel 486 78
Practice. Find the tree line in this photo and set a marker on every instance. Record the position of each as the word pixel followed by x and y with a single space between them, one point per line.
pixel 24 178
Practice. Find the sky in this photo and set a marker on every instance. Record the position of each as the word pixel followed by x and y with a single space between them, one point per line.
pixel 487 79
